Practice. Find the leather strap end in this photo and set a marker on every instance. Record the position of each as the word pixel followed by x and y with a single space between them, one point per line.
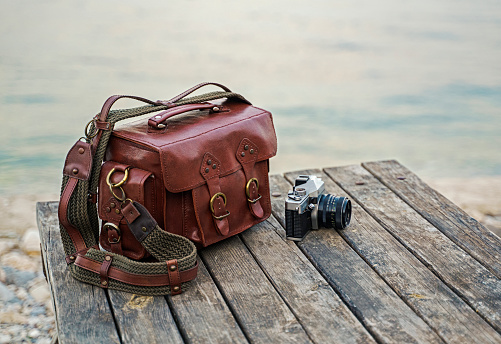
pixel 143 224
pixel 174 277
pixel 103 273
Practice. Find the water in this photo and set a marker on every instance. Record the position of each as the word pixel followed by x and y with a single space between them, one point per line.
pixel 347 81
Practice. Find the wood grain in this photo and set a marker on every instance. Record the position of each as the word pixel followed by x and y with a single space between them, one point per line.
pixel 143 319
pixel 457 225
pixel 262 314
pixel 374 303
pixel 461 273
pixel 424 292
pixel 318 308
pixel 82 311
pixel 202 314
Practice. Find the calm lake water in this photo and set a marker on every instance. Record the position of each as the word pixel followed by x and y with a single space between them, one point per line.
pixel 347 81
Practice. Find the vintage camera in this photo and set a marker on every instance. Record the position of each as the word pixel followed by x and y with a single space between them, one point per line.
pixel 308 207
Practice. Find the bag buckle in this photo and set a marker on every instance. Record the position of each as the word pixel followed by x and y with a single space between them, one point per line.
pixel 211 204
pixel 115 227
pixel 247 190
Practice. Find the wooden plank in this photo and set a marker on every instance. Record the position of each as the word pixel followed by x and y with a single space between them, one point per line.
pixel 457 225
pixel 463 274
pixel 143 319
pixel 82 311
pixel 202 314
pixel 424 292
pixel 315 304
pixel 259 309
pixel 374 303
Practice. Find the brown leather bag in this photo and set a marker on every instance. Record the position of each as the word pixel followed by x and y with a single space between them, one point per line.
pixel 198 169
pixel 201 170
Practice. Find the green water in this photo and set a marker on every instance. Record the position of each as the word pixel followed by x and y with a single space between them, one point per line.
pixel 347 81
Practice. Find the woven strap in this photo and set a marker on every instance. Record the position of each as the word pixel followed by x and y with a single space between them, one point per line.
pixel 79 225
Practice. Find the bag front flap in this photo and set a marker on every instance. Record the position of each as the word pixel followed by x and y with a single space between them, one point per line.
pixel 187 138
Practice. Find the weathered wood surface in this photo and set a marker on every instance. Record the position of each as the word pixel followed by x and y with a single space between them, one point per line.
pixel 461 272
pixel 82 311
pixel 202 313
pixel 457 225
pixel 143 319
pixel 424 292
pixel 395 275
pixel 382 311
pixel 260 310
pixel 314 303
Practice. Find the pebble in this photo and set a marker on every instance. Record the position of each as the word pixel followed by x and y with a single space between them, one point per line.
pixel 40 293
pixel 26 314
pixel 4 339
pixel 35 333
pixel 20 261
pixel 30 243
pixel 18 277
pixel 7 295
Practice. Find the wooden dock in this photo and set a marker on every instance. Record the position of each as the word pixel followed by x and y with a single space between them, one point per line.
pixel 411 268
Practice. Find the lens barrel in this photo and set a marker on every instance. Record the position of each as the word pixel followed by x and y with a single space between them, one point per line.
pixel 333 212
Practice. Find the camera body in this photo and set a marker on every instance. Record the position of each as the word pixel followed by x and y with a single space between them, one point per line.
pixel 308 207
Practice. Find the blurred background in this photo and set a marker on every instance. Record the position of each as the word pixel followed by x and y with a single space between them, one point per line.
pixel 347 81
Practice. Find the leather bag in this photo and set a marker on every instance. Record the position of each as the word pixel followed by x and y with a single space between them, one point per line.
pixel 190 174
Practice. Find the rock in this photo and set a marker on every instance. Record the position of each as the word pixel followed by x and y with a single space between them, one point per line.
pixel 49 307
pixel 3 275
pixel 45 341
pixel 34 333
pixel 17 277
pixel 36 311
pixel 6 246
pixel 30 243
pixel 12 317
pixel 40 293
pixel 5 339
pixel 7 295
pixel 22 294
pixel 20 261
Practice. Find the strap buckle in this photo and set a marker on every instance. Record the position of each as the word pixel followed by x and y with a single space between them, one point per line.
pixel 115 227
pixel 247 190
pixel 211 204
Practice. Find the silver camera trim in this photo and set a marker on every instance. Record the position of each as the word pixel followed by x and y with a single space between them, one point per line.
pixel 298 199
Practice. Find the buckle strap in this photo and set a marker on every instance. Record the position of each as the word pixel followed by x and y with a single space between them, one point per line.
pixel 247 156
pixel 210 169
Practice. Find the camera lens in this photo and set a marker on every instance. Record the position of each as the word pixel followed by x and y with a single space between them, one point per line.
pixel 334 212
